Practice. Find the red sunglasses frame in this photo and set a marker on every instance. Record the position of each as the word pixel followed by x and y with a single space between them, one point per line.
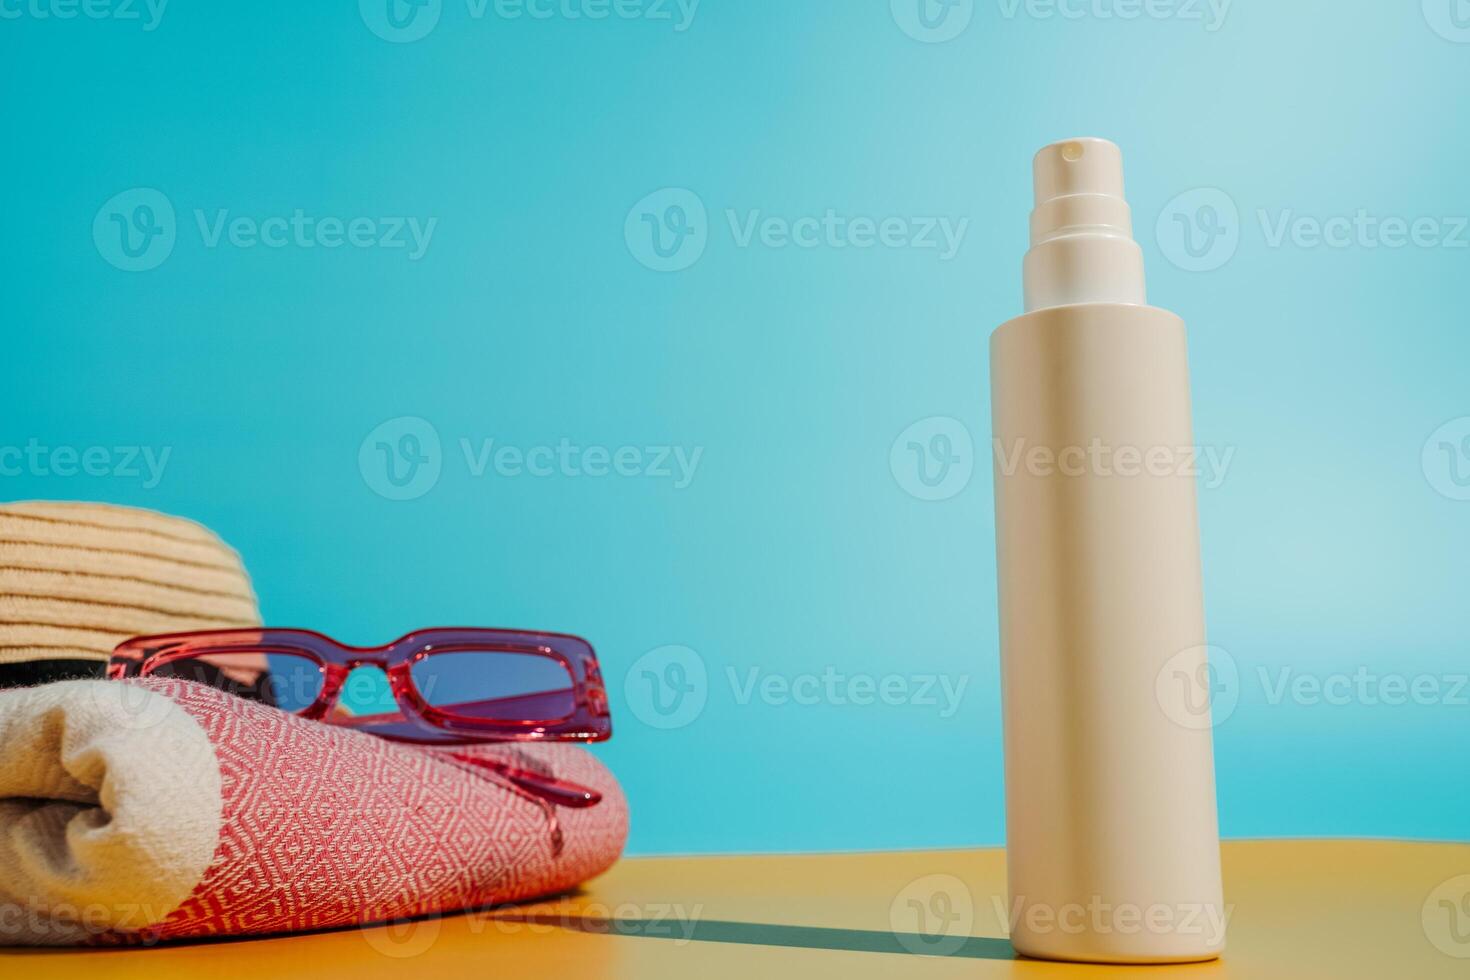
pixel 417 721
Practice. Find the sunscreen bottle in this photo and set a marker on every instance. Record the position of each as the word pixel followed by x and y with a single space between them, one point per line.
pixel 1113 850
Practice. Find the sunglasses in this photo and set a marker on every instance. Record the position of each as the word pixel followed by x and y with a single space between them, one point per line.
pixel 453 686
pixel 443 687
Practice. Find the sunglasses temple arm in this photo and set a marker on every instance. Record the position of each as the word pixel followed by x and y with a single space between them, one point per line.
pixel 559 791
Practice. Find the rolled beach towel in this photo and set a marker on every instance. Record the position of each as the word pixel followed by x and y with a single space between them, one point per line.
pixel 138 811
pixel 76 579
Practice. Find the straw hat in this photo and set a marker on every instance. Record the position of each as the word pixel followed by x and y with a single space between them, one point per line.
pixel 77 579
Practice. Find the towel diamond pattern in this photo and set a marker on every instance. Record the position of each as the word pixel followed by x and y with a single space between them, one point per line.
pixel 325 826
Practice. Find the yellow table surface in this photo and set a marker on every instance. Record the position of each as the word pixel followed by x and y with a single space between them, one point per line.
pixel 1300 910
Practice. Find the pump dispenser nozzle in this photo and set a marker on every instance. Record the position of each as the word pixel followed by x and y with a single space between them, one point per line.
pixel 1082 247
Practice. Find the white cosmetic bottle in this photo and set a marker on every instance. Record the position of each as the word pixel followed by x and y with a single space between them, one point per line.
pixel 1113 848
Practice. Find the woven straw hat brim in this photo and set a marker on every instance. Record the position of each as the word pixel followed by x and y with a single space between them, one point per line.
pixel 78 579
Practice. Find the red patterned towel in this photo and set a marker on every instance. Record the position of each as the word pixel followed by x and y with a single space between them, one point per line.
pixel 161 809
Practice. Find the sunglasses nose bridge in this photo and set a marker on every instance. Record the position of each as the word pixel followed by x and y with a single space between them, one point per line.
pixel 365 684
pixel 374 664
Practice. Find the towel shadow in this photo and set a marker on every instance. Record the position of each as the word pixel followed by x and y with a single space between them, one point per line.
pixel 768 934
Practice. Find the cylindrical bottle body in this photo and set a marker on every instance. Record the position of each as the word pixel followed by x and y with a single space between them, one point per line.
pixel 1112 839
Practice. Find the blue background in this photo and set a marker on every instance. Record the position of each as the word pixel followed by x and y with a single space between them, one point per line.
pixel 530 319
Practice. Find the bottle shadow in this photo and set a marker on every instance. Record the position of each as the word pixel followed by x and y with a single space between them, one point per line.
pixel 769 934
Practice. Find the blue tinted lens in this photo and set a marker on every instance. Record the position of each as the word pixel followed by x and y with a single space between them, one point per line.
pixel 287 681
pixel 492 685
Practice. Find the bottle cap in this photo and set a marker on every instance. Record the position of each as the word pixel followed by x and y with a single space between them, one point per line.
pixel 1082 247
